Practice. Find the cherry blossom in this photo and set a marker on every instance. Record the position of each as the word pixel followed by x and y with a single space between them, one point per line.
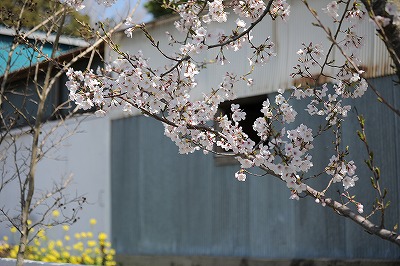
pixel 332 9
pixel 106 2
pixel 381 21
pixel 349 182
pixel 76 4
pixel 360 208
pixel 240 176
pixel 216 11
pixel 285 144
pixel 391 9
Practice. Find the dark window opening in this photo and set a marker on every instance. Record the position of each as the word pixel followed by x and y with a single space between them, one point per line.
pixel 20 99
pixel 252 107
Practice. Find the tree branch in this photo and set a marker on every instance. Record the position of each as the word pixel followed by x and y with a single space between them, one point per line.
pixel 252 25
pixel 358 219
pixel 390 34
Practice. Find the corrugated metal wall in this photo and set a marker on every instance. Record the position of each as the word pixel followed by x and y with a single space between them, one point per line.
pixel 166 203
pixel 288 38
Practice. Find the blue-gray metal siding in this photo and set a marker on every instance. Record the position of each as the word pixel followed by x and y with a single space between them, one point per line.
pixel 24 56
pixel 169 204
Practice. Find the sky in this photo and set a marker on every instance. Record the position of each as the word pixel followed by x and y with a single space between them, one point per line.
pixel 117 11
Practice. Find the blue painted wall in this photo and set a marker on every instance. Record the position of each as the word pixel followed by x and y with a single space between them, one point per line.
pixel 23 55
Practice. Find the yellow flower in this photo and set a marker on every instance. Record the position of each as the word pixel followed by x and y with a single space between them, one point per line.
pixel 65 254
pixel 59 243
pixel 99 260
pixel 102 236
pixel 13 254
pixel 13 229
pixel 88 251
pixel 29 222
pixel 36 242
pixel 51 245
pixel 87 259
pixel 54 253
pixel 91 243
pixel 50 258
pixel 78 246
pixel 97 251
pixel 41 233
pixel 56 213
pixel 75 260
pixel 93 221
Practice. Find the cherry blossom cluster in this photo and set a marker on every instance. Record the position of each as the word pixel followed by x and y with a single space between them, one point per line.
pixel 355 13
pixel 347 39
pixel 106 3
pixel 249 9
pixel 393 16
pixel 332 9
pixel 342 172
pixel 262 125
pixel 216 12
pixel 285 109
pixel 235 138
pixel 262 53
pixel 392 11
pixel 352 41
pixel 78 4
pixel 165 94
pixel 135 85
pixel 323 103
pixel 280 8
pixel 284 152
pixel 193 23
pixel 308 59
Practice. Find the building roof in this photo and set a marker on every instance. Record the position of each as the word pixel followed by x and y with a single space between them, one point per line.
pixel 288 38
pixel 24 56
pixel 65 57
pixel 78 42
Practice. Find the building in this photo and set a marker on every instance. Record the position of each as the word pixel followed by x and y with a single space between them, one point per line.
pixel 168 209
pixel 163 203
pixel 20 92
pixel 24 57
